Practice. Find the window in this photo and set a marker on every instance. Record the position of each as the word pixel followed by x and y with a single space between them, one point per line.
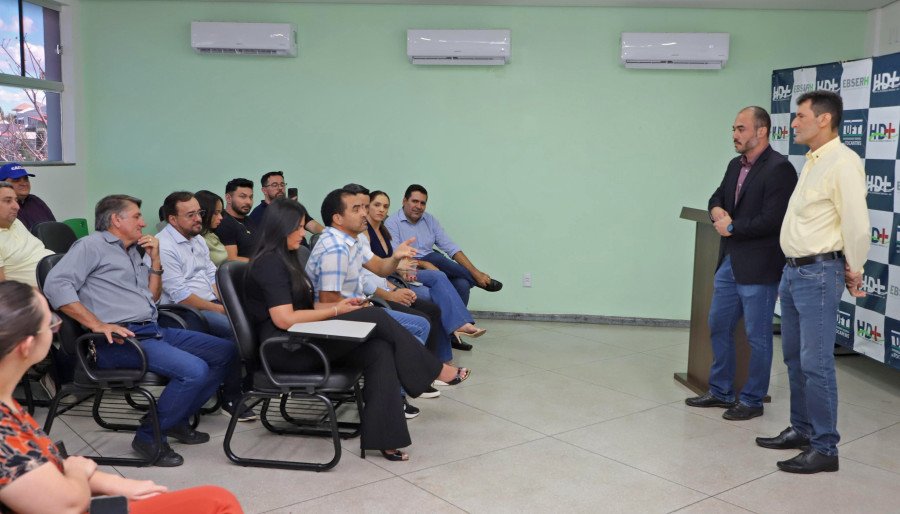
pixel 30 81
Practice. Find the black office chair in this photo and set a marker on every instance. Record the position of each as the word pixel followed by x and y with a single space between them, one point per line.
pixel 77 350
pixel 329 387
pixel 57 237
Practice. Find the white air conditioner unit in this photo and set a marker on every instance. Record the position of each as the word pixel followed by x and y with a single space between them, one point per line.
pixel 212 37
pixel 458 47
pixel 675 50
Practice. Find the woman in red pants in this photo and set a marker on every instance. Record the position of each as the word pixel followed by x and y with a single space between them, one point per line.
pixel 33 475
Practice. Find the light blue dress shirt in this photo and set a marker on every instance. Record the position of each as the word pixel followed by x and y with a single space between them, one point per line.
pixel 427 231
pixel 187 268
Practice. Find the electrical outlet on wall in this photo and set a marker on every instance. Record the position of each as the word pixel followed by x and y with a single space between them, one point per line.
pixel 526 279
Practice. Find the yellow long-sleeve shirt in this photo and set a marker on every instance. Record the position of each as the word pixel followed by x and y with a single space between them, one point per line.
pixel 828 210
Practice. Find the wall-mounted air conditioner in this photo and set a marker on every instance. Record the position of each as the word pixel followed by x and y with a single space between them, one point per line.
pixel 675 50
pixel 458 47
pixel 276 39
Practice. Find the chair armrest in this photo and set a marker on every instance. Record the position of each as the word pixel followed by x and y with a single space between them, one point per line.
pixel 184 313
pixel 397 280
pixel 298 341
pixel 381 302
pixel 82 349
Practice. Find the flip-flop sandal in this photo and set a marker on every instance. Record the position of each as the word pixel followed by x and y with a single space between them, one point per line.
pixel 397 456
pixel 478 333
pixel 459 376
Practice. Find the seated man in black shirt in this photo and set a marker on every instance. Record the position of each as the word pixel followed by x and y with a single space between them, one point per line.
pixel 237 231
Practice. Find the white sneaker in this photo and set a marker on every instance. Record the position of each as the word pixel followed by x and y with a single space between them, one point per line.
pixel 439 383
pixel 430 393
pixel 49 385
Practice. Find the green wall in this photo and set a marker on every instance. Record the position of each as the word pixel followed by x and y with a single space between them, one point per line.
pixel 562 163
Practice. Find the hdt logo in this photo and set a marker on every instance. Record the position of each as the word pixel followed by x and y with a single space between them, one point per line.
pixel 873 286
pixel 879 184
pixel 881 132
pixel 868 331
pixel 880 237
pixel 885 82
pixel 781 93
pixel 828 85
pixel 779 133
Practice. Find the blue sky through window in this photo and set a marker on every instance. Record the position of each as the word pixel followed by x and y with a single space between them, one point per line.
pixel 33 17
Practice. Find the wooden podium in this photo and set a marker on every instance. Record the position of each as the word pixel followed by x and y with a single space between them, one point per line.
pixel 700 356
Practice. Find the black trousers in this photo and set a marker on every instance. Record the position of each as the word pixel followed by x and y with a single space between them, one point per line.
pixel 437 337
pixel 391 357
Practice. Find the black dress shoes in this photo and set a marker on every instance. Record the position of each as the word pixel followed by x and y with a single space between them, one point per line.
pixel 707 400
pixel 493 286
pixel 458 343
pixel 741 412
pixel 167 457
pixel 788 439
pixel 809 462
pixel 187 435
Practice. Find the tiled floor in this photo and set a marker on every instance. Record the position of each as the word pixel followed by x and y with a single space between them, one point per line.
pixel 564 418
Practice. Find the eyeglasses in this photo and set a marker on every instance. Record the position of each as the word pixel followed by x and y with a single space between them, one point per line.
pixel 195 214
pixel 55 323
pixel 277 185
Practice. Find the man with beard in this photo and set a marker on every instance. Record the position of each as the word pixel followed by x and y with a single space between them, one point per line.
pixel 190 279
pixel 237 230
pixel 274 186
pixel 747 210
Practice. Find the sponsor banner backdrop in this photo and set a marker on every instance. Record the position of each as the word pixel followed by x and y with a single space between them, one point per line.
pixel 870 127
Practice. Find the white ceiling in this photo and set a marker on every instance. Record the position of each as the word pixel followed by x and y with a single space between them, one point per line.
pixel 805 5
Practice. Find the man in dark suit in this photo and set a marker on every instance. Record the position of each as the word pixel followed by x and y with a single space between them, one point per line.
pixel 747 210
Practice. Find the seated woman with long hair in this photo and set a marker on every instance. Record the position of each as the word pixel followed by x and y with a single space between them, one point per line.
pixel 33 475
pixel 434 285
pixel 279 293
pixel 211 206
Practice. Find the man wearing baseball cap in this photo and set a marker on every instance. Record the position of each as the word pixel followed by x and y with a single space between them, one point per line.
pixel 32 210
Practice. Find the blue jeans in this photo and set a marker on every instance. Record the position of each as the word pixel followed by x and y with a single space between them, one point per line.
pixel 459 276
pixel 436 287
pixel 416 325
pixel 731 302
pixel 810 296
pixel 195 364
pixel 234 383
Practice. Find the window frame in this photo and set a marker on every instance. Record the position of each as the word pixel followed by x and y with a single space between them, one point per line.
pixel 51 86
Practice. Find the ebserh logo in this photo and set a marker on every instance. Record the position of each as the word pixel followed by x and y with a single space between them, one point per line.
pixel 855 82
pixel 856 77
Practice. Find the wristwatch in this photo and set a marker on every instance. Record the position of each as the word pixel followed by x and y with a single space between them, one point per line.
pixel 730 229
pixel 156 271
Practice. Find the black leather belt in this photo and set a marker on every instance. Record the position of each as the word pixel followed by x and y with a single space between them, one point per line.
pixel 140 323
pixel 795 262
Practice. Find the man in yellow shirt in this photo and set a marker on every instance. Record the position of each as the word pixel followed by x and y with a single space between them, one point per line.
pixel 825 237
pixel 20 251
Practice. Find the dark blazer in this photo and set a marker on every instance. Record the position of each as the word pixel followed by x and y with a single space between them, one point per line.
pixel 754 247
